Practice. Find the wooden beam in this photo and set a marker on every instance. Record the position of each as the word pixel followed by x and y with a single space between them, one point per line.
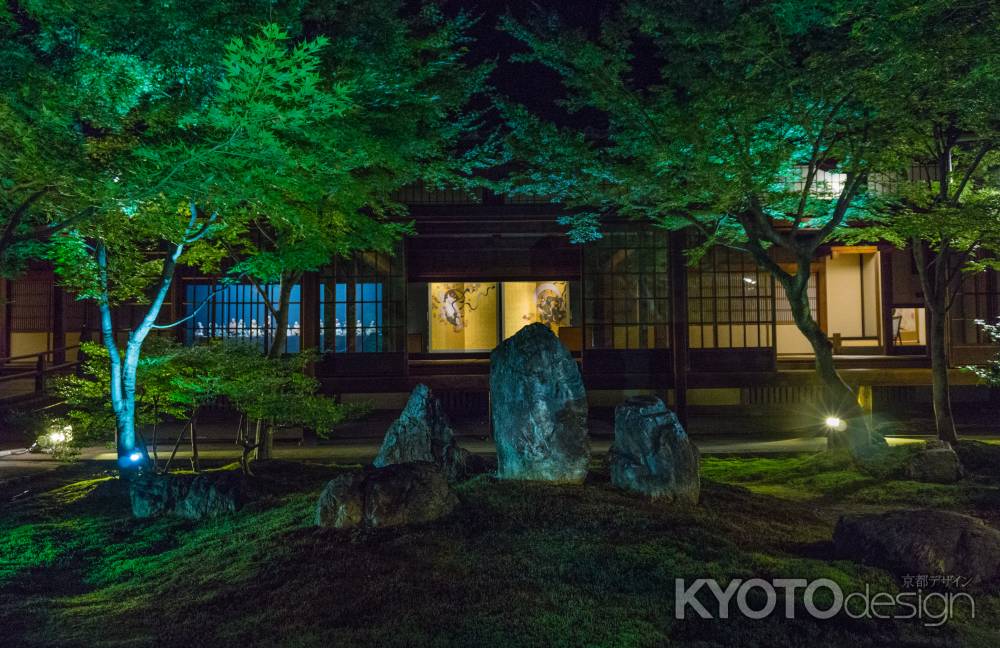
pixel 58 324
pixel 837 250
pixel 885 299
pixel 5 317
pixel 309 315
pixel 679 323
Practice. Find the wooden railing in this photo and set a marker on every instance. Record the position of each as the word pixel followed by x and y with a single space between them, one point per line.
pixel 35 367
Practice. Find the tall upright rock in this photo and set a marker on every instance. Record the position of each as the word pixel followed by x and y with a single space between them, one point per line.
pixel 539 408
pixel 652 454
pixel 422 433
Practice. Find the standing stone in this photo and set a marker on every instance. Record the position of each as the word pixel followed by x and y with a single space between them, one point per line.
pixel 422 433
pixel 539 408
pixel 652 454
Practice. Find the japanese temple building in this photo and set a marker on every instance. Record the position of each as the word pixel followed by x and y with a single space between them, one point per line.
pixel 628 306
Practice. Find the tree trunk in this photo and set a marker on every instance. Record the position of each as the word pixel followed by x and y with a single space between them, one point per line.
pixel 280 342
pixel 263 441
pixel 935 280
pixel 132 458
pixel 173 453
pixel 156 427
pixel 195 463
pixel 940 387
pixel 839 401
pixel 128 451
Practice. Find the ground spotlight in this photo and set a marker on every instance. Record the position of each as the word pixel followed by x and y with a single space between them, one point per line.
pixel 835 423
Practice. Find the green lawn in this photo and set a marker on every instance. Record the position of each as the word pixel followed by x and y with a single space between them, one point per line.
pixel 518 564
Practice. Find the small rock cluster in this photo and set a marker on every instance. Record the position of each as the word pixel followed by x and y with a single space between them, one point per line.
pixel 539 409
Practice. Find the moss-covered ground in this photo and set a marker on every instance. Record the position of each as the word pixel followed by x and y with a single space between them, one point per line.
pixel 518 564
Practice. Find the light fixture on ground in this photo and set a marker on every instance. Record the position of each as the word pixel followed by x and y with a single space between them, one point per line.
pixel 835 423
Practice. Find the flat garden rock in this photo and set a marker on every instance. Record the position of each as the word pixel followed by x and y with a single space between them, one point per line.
pixel 651 454
pixel 539 408
pixel 939 543
pixel 395 495
pixel 937 464
pixel 188 496
pixel 979 458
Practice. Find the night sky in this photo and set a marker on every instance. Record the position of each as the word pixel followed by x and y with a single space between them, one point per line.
pixel 534 86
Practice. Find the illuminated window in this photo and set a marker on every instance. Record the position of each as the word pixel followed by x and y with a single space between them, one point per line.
pixel 367 335
pixel 238 311
pixel 626 291
pixel 463 316
pixel 362 305
pixel 908 327
pixel 526 302
pixel 730 302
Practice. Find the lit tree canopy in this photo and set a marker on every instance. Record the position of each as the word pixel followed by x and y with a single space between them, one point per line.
pixel 751 122
pixel 184 137
pixel 203 138
pixel 941 85
pixel 407 123
pixel 83 86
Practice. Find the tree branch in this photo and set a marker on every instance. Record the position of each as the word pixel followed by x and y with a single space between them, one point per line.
pixel 7 238
pixel 980 154
pixel 844 201
pixel 193 238
pixel 764 259
pixel 107 326
pixel 816 158
pixel 193 313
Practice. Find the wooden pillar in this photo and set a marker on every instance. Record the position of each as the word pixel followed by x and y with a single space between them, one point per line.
pixel 404 310
pixel 992 295
pixel 679 323
pixel 58 324
pixel 867 401
pixel 40 366
pixel 309 327
pixel 885 298
pixel 309 311
pixel 4 318
pixel 351 315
